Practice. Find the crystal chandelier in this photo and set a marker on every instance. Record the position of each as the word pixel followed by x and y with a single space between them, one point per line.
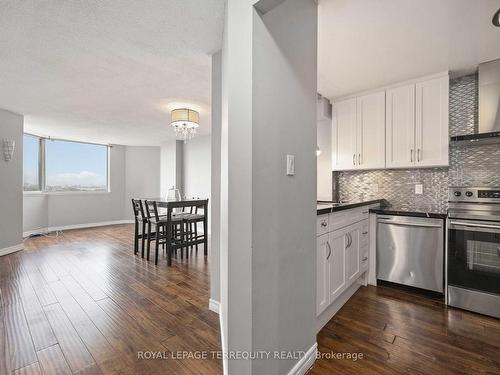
pixel 185 122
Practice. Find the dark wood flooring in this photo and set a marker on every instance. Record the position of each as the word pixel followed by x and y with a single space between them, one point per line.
pixel 401 331
pixel 82 303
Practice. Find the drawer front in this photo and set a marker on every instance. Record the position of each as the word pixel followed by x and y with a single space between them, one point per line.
pixel 365 233
pixel 322 225
pixel 345 218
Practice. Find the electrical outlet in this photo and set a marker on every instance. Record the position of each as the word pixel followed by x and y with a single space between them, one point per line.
pixel 419 189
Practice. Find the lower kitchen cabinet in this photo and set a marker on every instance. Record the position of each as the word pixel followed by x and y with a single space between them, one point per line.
pixel 352 254
pixel 341 258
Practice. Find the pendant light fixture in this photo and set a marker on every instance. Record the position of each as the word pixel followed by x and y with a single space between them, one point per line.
pixel 185 122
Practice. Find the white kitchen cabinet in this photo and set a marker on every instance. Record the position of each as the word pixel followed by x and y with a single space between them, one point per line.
pixel 323 254
pixel 358 133
pixel 352 254
pixel 337 283
pixel 431 122
pixel 400 127
pixel 344 135
pixel 370 137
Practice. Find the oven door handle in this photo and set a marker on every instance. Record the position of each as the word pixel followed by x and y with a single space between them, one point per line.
pixel 474 225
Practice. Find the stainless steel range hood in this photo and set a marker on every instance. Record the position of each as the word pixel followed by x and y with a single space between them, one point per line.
pixel 489 107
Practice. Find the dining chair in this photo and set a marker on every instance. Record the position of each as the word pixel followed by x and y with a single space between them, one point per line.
pixel 139 225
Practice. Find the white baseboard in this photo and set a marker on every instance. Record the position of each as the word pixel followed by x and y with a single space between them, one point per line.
pixel 306 362
pixel 223 343
pixel 76 226
pixel 214 305
pixel 11 249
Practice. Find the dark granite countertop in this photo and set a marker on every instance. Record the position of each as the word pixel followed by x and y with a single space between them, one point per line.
pixel 388 209
pixel 325 207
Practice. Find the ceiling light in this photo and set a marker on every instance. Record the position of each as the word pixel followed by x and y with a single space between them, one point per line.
pixel 496 18
pixel 185 122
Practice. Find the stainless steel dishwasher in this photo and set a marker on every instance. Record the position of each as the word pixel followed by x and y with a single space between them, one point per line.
pixel 410 251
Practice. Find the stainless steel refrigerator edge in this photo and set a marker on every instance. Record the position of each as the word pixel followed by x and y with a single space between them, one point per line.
pixel 410 251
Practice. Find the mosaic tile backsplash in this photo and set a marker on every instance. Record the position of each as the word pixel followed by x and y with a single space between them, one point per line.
pixel 469 165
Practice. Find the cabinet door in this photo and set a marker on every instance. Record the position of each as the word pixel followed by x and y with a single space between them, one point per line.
pixel 400 127
pixel 431 122
pixel 338 242
pixel 323 254
pixel 370 131
pixel 352 254
pixel 344 135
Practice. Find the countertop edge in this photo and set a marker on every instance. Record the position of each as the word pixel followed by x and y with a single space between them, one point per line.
pixel 348 206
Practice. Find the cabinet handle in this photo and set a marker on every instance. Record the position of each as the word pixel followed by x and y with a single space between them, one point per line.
pixel 365 232
pixel 329 250
pixel 349 240
pixel 411 156
pixel 418 155
pixel 324 224
pixel 347 236
pixel 359 159
pixel 365 258
pixel 354 159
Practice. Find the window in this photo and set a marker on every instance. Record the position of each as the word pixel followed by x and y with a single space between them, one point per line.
pixel 73 166
pixel 64 166
pixel 31 167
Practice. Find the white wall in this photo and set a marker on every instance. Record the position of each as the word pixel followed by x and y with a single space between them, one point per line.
pixel 267 243
pixel 196 167
pixel 171 156
pixel 142 175
pixel 324 161
pixel 11 183
pixel 215 176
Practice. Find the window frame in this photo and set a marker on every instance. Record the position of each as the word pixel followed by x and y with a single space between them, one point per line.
pixel 42 169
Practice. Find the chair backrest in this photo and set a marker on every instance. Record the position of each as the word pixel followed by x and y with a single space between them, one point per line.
pixel 136 207
pixel 191 206
pixel 151 210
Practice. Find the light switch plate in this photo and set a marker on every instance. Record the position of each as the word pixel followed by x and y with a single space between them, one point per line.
pixel 419 189
pixel 374 188
pixel 290 165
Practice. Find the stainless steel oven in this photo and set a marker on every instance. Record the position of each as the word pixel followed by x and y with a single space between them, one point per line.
pixel 473 255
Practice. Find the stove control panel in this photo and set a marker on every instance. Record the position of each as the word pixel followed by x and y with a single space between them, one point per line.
pixel 474 194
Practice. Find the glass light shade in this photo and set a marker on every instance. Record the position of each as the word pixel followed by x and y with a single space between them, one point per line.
pixel 185 117
pixel 496 18
pixel 185 122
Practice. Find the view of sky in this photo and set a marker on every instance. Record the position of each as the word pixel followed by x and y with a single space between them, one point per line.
pixel 68 164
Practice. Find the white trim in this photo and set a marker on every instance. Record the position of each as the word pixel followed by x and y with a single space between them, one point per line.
pixel 306 362
pixel 223 343
pixel 214 306
pixel 11 249
pixel 76 226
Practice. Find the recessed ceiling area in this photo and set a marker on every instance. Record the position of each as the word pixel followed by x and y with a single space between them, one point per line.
pixel 365 44
pixel 107 71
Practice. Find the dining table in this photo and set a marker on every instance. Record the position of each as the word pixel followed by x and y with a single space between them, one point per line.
pixel 173 207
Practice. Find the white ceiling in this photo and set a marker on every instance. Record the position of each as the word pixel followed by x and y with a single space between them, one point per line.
pixel 365 44
pixel 106 71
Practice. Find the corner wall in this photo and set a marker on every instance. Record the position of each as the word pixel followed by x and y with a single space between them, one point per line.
pixel 11 184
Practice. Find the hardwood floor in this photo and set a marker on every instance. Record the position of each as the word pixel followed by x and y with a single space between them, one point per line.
pixel 400 332
pixel 82 303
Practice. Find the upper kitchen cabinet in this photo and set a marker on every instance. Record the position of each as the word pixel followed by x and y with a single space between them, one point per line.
pixel 370 139
pixel 400 127
pixel 431 122
pixel 358 133
pixel 344 135
pixel 417 124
